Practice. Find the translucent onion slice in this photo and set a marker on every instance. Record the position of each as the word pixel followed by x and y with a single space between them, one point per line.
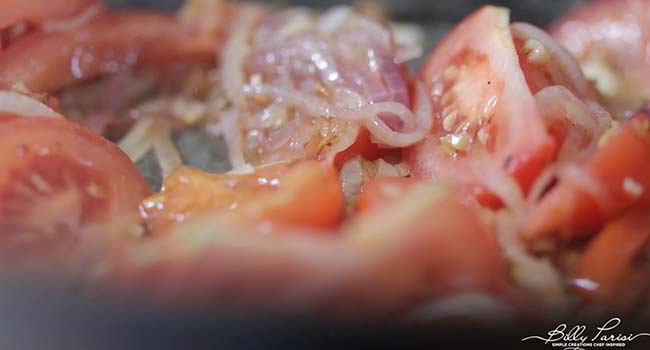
pixel 499 182
pixel 235 51
pixel 166 152
pixel 416 125
pixel 16 103
pixel 562 59
pixel 138 141
pixel 557 103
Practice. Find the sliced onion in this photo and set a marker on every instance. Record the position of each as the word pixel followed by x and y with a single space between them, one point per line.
pixel 499 182
pixel 235 51
pixel 352 177
pixel 138 141
pixel 23 105
pixel 231 133
pixel 345 138
pixel 385 169
pixel 409 39
pixel 419 123
pixel 394 79
pixel 535 274
pixel 333 19
pixel 558 101
pixel 166 152
pixel 563 60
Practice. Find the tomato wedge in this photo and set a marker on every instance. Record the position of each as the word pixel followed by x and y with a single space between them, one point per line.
pixel 58 182
pixel 307 194
pixel 616 178
pixel 381 264
pixel 605 274
pixel 610 39
pixel 47 62
pixel 37 11
pixel 481 103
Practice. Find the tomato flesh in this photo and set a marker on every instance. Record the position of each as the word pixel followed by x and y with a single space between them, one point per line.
pixel 607 266
pixel 307 194
pixel 482 103
pixel 382 192
pixel 620 170
pixel 59 180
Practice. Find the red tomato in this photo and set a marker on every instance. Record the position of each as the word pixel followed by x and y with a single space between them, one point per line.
pixel 58 182
pixel 610 38
pixel 47 62
pixel 618 177
pixel 481 103
pixel 605 274
pixel 7 117
pixel 428 245
pixel 36 11
pixel 308 194
pixel 381 193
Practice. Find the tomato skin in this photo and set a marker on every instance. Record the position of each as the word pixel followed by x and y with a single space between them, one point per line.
pixel 607 264
pixel 486 78
pixel 37 11
pixel 307 194
pixel 570 211
pixel 59 177
pixel 47 62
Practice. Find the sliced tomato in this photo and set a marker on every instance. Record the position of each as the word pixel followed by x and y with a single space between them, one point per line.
pixel 616 178
pixel 428 245
pixel 59 182
pixel 382 192
pixel 308 194
pixel 482 104
pixel 610 39
pixel 605 274
pixel 47 62
pixel 37 11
